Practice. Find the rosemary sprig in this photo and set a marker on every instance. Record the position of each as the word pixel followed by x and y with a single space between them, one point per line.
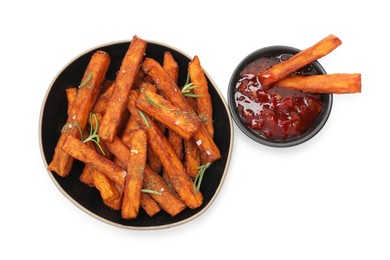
pixel 86 81
pixel 155 103
pixel 93 136
pixel 188 86
pixel 144 118
pixel 199 177
pixel 151 191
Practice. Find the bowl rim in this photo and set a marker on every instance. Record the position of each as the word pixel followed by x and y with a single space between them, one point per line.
pixel 326 110
pixel 102 219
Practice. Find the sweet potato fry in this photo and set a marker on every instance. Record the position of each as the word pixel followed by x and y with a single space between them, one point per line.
pixel 171 66
pixel 178 177
pixel 150 206
pixel 205 107
pixel 71 95
pixel 185 123
pixel 135 172
pixel 167 200
pixel 110 194
pixel 101 104
pixel 151 159
pixel 301 59
pixel 80 151
pixel 330 83
pixel 191 158
pixel 165 83
pixel 86 97
pixel 123 83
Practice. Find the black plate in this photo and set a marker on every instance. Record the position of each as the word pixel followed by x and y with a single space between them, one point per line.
pixel 53 117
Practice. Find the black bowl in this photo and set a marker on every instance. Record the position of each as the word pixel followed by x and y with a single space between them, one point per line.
pixel 54 114
pixel 319 122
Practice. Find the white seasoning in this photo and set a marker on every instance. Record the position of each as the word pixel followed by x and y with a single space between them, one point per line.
pixel 199 142
pixel 134 151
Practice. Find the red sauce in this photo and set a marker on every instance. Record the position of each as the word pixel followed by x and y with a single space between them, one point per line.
pixel 275 112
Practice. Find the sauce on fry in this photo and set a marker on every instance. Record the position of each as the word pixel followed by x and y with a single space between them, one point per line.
pixel 275 112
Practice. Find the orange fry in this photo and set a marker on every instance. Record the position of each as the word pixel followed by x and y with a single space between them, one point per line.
pixel 134 178
pixel 191 158
pixel 167 200
pixel 185 123
pixel 150 206
pixel 299 60
pixel 205 106
pixel 87 94
pixel 82 152
pixel 330 83
pixel 124 81
pixel 171 66
pixel 71 95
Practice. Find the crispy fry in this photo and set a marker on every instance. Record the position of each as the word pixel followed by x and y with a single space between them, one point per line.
pixel 171 66
pixel 86 176
pixel 86 97
pixel 80 151
pixel 191 158
pixel 71 95
pixel 152 159
pixel 205 106
pixel 109 192
pixel 330 83
pixel 301 59
pixel 150 206
pixel 168 201
pixel 101 104
pixel 135 172
pixel 121 151
pixel 124 82
pixel 185 123
pixel 207 146
pixel 180 180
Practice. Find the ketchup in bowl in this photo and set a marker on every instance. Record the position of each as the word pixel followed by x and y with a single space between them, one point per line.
pixel 275 112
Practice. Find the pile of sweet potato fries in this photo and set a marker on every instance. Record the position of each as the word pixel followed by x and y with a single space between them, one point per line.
pixel 144 141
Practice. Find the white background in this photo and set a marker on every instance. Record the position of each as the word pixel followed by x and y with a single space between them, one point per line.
pixel 326 199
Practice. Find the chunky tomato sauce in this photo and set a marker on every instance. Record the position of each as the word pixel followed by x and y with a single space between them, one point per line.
pixel 275 112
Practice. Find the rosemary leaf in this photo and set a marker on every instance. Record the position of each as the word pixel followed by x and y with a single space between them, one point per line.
pixel 155 103
pixel 144 118
pixel 93 133
pixel 192 95
pixel 199 177
pixel 151 191
pixel 86 81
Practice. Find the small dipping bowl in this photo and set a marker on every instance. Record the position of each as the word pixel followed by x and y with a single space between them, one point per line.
pixel 254 127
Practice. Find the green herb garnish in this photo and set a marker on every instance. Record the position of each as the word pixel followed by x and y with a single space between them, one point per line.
pixel 151 191
pixel 199 177
pixel 155 103
pixel 86 81
pixel 93 136
pixel 188 86
pixel 144 118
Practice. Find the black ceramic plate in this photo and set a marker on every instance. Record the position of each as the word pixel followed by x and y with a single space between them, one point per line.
pixel 53 117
